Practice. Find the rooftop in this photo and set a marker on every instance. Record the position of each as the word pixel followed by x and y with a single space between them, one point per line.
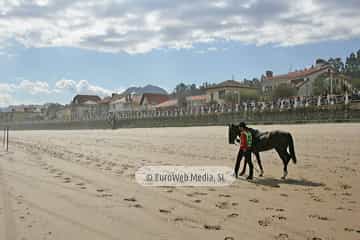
pixel 297 74
pixel 153 98
pixel 168 103
pixel 80 99
pixel 197 98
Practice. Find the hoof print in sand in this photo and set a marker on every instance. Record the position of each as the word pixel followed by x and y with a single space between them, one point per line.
pixel 279 217
pixel 130 199
pixel 212 227
pixel 282 236
pixel 67 180
pixel 265 222
pixel 222 205
pixel 164 211
pixel 254 200
pixel 315 198
pixel 136 205
pixel 232 215
pixel 345 186
pixel 224 195
pixel 199 194
pixel 105 195
pixel 351 230
pixel 318 217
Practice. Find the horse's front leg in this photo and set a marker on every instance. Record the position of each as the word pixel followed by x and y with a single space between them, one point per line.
pixel 257 155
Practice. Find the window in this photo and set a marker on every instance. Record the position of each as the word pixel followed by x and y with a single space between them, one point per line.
pixel 222 94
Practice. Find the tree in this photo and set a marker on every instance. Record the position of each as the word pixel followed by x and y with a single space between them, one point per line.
pixel 351 65
pixel 182 91
pixel 284 90
pixel 337 64
pixel 180 94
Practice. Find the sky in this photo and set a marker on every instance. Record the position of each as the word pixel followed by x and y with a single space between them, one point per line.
pixel 51 50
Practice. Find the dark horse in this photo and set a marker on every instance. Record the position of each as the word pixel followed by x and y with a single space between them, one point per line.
pixel 278 140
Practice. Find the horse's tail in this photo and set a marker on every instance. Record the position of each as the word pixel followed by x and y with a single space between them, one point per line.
pixel 292 149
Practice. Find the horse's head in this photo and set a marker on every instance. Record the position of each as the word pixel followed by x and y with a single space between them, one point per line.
pixel 233 133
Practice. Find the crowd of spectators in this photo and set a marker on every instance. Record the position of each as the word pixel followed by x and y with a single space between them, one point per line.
pixel 275 105
pixel 280 104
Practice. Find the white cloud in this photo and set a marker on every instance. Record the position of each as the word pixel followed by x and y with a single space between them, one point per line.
pixel 66 84
pixel 5 99
pixel 142 26
pixel 34 87
pixel 220 4
pixel 81 87
pixel 84 87
pixel 5 88
pixel 41 89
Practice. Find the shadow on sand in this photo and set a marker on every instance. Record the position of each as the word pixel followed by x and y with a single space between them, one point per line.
pixel 273 182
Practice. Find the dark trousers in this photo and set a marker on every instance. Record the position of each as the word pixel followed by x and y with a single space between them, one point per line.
pixel 247 155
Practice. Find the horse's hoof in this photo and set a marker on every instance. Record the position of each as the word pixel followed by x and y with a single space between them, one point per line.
pixel 261 175
pixel 249 178
pixel 242 173
pixel 283 178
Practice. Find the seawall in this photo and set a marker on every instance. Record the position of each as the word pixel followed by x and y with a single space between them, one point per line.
pixel 339 113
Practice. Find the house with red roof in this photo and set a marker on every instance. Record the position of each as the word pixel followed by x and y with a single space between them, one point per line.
pixel 196 101
pixel 218 93
pixel 150 100
pixel 191 101
pixel 167 105
pixel 303 80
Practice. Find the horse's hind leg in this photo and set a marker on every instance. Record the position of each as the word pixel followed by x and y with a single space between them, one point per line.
pixel 285 157
pixel 257 155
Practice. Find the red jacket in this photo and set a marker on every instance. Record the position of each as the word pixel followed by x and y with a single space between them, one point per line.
pixel 243 141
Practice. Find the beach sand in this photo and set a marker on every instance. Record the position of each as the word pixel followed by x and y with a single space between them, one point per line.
pixel 81 185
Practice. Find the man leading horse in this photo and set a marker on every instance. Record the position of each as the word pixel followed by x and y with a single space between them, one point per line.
pixel 257 142
pixel 246 143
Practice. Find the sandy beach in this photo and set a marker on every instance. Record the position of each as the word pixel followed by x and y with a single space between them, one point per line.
pixel 81 185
